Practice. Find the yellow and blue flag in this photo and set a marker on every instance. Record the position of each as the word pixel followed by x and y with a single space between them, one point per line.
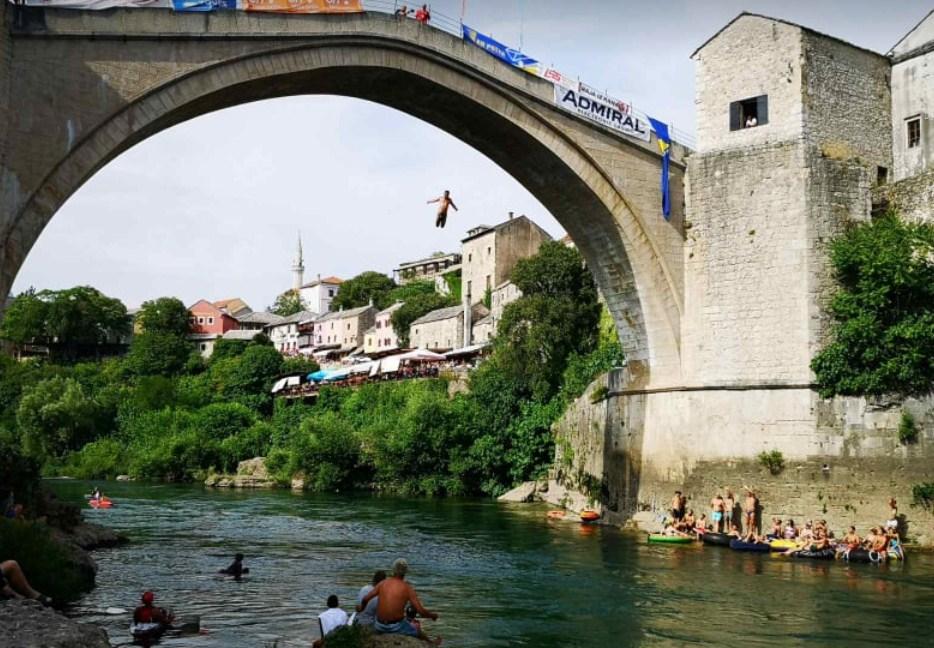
pixel 664 145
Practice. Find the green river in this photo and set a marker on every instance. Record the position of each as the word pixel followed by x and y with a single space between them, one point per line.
pixel 499 575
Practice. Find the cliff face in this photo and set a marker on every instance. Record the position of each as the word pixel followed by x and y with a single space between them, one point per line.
pixel 26 624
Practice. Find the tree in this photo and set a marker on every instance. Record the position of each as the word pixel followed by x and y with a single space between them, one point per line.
pixel 165 315
pixel 883 332
pixel 25 320
pixel 153 353
pixel 56 416
pixel 415 307
pixel 288 303
pixel 361 290
pixel 83 316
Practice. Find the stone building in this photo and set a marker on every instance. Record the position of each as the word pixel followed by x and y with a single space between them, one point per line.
pixel 381 337
pixel 443 329
pixel 258 320
pixel 483 330
pixel 488 254
pixel 913 100
pixel 209 321
pixel 344 328
pixel 505 293
pixel 426 269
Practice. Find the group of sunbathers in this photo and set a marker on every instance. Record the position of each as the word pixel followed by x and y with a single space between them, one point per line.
pixel 815 536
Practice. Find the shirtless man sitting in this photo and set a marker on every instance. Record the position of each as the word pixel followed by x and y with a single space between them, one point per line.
pixel 852 539
pixel 394 594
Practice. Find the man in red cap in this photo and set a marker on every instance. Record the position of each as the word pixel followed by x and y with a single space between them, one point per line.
pixel 146 613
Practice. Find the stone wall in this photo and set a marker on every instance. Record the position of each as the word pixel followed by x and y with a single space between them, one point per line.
pixel 912 198
pixel 604 450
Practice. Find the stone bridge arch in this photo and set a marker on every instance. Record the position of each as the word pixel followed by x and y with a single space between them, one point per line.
pixel 83 87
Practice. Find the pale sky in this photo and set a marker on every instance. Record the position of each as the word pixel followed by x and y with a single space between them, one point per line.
pixel 211 208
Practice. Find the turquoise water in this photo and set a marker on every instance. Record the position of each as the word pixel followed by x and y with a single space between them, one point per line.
pixel 499 575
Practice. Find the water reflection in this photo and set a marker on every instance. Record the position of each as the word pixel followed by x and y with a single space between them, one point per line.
pixel 499 575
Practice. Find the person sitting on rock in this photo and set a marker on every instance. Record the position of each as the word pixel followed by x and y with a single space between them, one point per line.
pixel 13 584
pixel 368 616
pixel 394 594
pixel 236 568
pixel 148 613
pixel 330 620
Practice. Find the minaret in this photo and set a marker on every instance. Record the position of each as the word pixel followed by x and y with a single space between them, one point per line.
pixel 298 267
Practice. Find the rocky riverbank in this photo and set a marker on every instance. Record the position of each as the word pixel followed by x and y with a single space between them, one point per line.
pixel 26 624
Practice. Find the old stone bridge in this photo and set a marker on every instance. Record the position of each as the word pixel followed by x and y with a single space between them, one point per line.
pixel 80 87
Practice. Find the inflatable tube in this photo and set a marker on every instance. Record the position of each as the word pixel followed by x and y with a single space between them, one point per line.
pixel 147 630
pixel 589 516
pixel 755 547
pixel 782 545
pixel 664 539
pixel 717 539
pixel 821 554
pixel 860 556
pixel 556 515
pixel 101 503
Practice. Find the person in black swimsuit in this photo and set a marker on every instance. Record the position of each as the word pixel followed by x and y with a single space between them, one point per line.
pixel 236 568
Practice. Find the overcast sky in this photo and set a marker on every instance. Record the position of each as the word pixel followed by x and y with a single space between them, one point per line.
pixel 212 208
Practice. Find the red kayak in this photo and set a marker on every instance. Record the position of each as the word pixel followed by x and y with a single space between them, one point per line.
pixel 589 516
pixel 102 503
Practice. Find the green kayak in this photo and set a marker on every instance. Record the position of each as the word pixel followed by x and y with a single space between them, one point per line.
pixel 657 537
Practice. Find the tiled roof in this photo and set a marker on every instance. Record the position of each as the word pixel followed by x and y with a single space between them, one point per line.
pixel 233 306
pixel 240 334
pixel 260 317
pixel 297 318
pixel 324 280
pixel 391 309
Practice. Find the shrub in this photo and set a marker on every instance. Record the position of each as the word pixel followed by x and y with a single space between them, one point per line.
pixel 773 460
pixel 45 562
pixel 923 495
pixel 907 429
pixel 101 459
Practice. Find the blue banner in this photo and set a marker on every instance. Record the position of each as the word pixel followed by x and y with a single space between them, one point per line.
pixel 505 54
pixel 203 5
pixel 664 146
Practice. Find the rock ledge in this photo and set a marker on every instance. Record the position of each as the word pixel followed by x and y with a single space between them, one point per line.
pixel 26 624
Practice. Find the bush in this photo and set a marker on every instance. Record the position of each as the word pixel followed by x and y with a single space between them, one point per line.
pixel 773 460
pixel 101 459
pixel 907 429
pixel 883 335
pixel 45 563
pixel 327 451
pixel 923 495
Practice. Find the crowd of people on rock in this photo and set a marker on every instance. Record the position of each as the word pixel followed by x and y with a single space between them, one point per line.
pixel 814 536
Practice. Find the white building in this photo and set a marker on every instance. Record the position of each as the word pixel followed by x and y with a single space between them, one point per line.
pixel 913 100
pixel 344 328
pixel 285 334
pixel 443 329
pixel 382 336
pixel 318 294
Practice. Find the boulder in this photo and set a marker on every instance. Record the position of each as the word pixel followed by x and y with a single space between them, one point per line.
pixel 251 473
pixel 572 500
pixel 521 494
pixel 90 536
pixel 298 482
pixel 255 467
pixel 26 624
pixel 393 641
pixel 647 521
pixel 124 478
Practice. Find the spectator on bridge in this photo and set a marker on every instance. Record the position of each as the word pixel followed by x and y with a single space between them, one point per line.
pixel 403 12
pixel 423 16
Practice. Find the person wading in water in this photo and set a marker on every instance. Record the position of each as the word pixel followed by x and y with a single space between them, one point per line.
pixel 444 202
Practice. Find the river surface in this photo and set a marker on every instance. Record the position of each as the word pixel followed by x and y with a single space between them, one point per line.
pixel 500 575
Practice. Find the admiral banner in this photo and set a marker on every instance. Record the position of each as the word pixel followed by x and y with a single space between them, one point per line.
pixel 203 5
pixel 304 6
pixel 588 103
pixel 505 54
pixel 97 4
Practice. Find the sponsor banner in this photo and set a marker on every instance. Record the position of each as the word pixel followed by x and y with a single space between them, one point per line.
pixel 588 106
pixel 593 93
pixel 304 6
pixel 505 54
pixel 558 77
pixel 203 5
pixel 97 4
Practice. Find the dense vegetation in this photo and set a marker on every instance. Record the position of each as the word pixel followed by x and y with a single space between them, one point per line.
pixel 883 334
pixel 163 413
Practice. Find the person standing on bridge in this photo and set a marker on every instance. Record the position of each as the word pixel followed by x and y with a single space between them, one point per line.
pixel 423 15
pixel 444 202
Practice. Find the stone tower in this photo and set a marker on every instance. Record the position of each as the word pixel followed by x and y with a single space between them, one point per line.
pixel 298 267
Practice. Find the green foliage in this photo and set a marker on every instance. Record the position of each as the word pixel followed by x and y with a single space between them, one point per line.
pixel 773 460
pixel 366 287
pixel 248 377
pixel 599 394
pixel 224 349
pixel 488 298
pixel 327 451
pixel 55 416
pixel 156 353
pixel 101 459
pixel 907 429
pixel 288 303
pixel 164 315
pixel 45 562
pixel 923 495
pixel 73 322
pixel 883 335
pixel 299 365
pixel 407 291
pixel 454 282
pixel 414 307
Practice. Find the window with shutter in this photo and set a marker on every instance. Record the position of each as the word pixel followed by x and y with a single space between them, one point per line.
pixel 748 113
